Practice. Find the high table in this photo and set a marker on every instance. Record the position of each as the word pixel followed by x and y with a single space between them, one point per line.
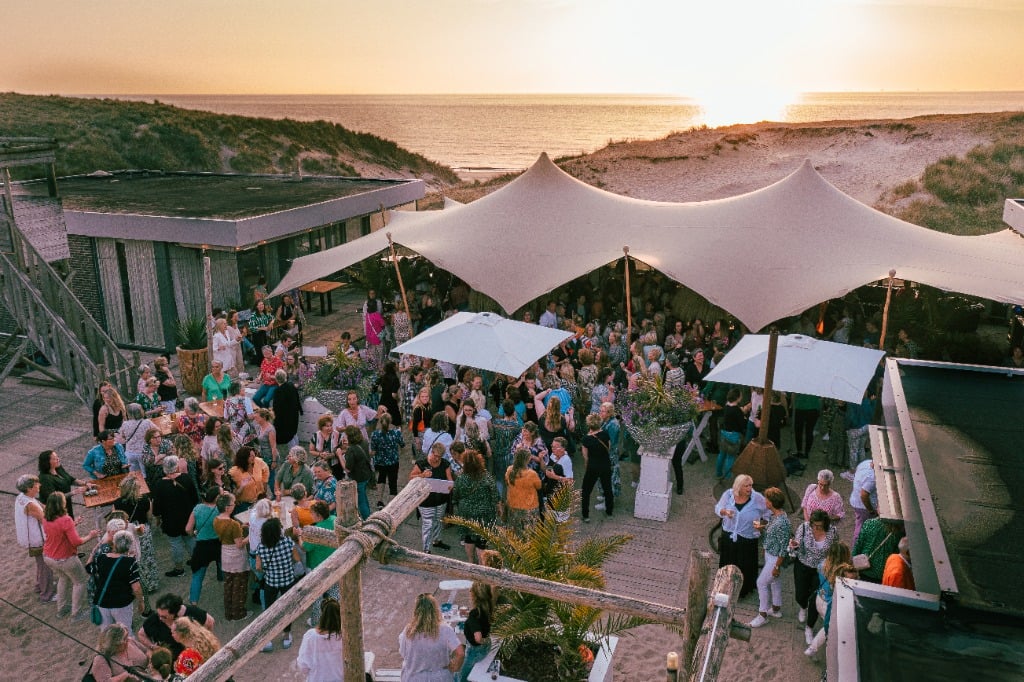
pixel 108 489
pixel 213 408
pixel 706 409
pixel 282 510
pixel 167 423
pixel 322 287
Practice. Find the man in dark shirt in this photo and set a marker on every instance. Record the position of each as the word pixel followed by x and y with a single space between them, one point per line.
pixel 287 408
pixel 156 629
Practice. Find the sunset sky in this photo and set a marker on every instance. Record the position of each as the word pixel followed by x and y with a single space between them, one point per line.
pixel 685 47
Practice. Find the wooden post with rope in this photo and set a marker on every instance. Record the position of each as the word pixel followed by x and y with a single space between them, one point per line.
pixel 715 633
pixel 350 585
pixel 701 568
pixel 629 300
pixel 885 310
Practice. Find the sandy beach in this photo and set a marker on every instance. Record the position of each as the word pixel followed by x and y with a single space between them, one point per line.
pixel 863 159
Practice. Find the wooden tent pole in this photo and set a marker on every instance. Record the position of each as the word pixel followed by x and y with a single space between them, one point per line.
pixel 885 310
pixel 629 301
pixel 769 378
pixel 398 273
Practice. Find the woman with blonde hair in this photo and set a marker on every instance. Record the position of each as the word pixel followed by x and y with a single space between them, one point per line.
pixel 224 348
pixel 137 507
pixel 112 411
pixel 431 651
pixel 200 644
pixel 119 656
pixel 420 418
pixel 838 563
pixel 739 507
pixel 251 475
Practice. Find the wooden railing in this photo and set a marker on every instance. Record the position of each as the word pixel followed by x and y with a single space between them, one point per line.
pixel 59 325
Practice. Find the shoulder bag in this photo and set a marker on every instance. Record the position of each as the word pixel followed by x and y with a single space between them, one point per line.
pixel 862 562
pixel 789 558
pixel 95 615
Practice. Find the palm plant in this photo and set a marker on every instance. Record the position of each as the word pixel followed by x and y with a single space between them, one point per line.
pixel 544 639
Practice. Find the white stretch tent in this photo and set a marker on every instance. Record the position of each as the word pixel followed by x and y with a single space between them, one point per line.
pixel 761 256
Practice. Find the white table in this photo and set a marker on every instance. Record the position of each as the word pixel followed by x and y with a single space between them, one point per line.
pixel 698 428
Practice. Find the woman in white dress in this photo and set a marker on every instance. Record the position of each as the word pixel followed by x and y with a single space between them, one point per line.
pixel 224 348
pixel 320 656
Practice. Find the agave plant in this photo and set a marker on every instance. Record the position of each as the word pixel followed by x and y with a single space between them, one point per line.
pixel 190 333
pixel 541 638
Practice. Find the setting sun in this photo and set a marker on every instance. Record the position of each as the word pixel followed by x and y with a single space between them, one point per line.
pixel 724 106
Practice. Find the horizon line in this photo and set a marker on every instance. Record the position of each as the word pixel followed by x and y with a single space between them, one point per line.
pixel 494 94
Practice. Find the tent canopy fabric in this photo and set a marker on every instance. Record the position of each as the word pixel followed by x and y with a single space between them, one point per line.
pixel 485 341
pixel 802 365
pixel 761 256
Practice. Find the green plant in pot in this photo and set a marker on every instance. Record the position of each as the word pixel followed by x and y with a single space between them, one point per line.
pixel 193 356
pixel 655 414
pixel 543 640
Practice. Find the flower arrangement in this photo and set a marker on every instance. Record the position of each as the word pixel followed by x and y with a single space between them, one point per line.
pixel 339 373
pixel 653 406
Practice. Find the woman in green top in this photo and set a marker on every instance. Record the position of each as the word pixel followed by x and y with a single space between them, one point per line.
pixel 207 548
pixel 476 493
pixel 260 324
pixel 216 383
pixel 316 554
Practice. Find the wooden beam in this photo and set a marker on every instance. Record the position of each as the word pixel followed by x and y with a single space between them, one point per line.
pixel 295 601
pixel 572 594
pixel 351 585
pixel 714 636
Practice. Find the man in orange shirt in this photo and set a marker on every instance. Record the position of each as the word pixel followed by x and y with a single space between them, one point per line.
pixel 898 571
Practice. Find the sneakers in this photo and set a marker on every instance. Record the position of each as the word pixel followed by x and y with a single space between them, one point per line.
pixel 600 498
pixel 809 636
pixel 175 573
pixel 775 614
pixel 825 438
pixel 286 643
pixel 758 622
pixel 380 505
pixel 801 616
pixel 442 545
pixel 600 506
pixel 846 475
pixel 586 519
pixel 810 651
pixel 268 648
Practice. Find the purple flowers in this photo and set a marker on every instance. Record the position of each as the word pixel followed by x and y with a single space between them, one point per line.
pixel 652 406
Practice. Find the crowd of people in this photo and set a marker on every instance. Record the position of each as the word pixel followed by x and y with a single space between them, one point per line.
pixel 500 447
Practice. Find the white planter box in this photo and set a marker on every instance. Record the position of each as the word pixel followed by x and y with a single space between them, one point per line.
pixel 601 672
pixel 653 492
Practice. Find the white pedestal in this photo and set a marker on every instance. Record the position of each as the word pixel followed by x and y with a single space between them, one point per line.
pixel 653 492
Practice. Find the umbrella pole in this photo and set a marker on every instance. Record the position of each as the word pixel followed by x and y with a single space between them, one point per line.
pixel 629 300
pixel 398 272
pixel 769 378
pixel 885 311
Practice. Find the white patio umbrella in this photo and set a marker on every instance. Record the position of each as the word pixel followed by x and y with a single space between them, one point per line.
pixel 802 365
pixel 485 341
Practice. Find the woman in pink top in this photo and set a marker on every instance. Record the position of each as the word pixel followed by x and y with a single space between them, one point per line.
pixel 821 496
pixel 355 414
pixel 60 552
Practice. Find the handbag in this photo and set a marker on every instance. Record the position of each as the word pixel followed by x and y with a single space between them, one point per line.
pixel 789 558
pixel 862 562
pixel 94 614
pixel 88 676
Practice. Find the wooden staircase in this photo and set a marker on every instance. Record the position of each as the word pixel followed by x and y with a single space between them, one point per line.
pixel 50 316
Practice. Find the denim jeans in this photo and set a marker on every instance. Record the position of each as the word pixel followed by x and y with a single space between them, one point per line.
pixel 264 395
pixel 363 501
pixel 474 654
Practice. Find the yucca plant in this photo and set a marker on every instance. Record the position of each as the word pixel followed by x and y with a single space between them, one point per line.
pixel 190 333
pixel 543 639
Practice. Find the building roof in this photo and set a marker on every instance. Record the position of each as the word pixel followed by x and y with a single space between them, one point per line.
pixel 217 210
pixel 205 195
pixel 968 430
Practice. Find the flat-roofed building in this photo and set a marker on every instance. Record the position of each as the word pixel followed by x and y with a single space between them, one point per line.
pixel 137 238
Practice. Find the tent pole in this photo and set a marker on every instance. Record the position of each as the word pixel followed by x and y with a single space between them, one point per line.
pixel 629 301
pixel 885 311
pixel 398 272
pixel 769 379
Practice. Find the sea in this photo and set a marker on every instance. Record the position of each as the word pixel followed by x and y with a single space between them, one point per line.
pixel 489 134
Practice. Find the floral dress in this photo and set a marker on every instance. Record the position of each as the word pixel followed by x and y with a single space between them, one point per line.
pixel 386 446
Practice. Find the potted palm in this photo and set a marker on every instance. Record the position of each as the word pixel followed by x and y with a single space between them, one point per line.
pixel 193 356
pixel 657 416
pixel 544 640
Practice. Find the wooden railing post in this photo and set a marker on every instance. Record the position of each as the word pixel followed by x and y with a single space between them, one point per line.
pixel 701 567
pixel 714 636
pixel 350 585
